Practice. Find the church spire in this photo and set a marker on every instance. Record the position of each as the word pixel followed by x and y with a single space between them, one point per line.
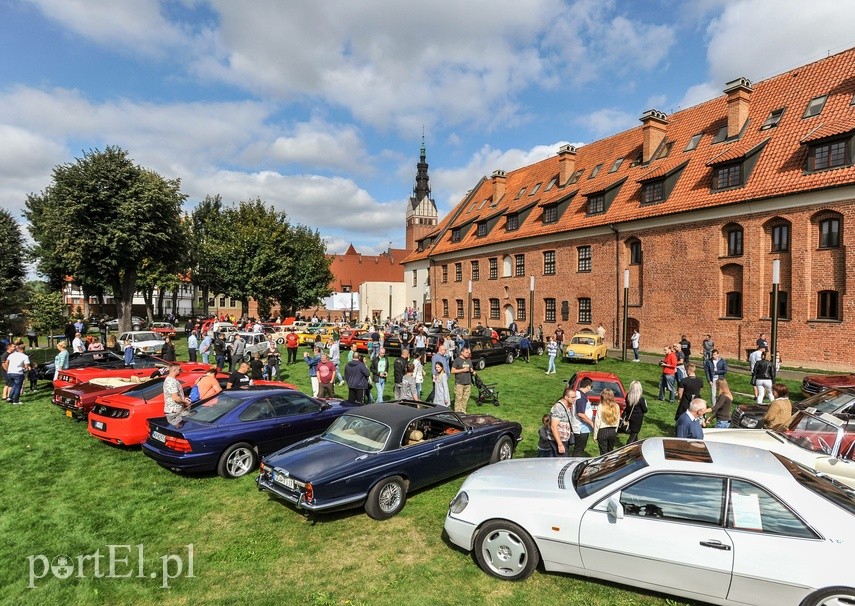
pixel 422 187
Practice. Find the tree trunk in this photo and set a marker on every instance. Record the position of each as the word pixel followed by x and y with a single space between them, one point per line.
pixel 125 300
pixel 160 293
pixel 148 298
pixel 86 293
pixel 175 301
pixel 205 312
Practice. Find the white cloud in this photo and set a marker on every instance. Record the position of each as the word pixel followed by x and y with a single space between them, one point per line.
pixel 760 38
pixel 317 143
pixel 607 121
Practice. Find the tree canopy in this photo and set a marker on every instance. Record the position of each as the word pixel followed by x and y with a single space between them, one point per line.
pixel 12 271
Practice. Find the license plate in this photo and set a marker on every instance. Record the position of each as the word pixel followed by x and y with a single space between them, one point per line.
pixel 156 435
pixel 67 413
pixel 99 425
pixel 283 481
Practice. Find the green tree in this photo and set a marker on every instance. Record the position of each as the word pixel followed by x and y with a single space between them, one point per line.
pixel 46 311
pixel 12 271
pixel 310 274
pixel 203 225
pixel 133 215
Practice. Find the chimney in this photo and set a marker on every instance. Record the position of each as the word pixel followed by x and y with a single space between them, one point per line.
pixel 738 100
pixel 653 132
pixel 499 178
pixel 566 163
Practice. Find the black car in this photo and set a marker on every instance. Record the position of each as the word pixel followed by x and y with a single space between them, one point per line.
pixel 485 352
pixel 513 341
pixel 839 402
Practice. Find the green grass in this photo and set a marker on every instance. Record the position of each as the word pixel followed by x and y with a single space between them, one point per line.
pixel 64 492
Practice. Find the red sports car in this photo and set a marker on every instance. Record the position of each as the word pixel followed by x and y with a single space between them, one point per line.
pixel 73 376
pixel 122 418
pixel 78 399
pixel 813 384
pixel 602 380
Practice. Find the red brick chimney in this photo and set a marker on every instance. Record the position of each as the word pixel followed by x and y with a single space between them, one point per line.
pixel 566 163
pixel 499 181
pixel 653 132
pixel 738 101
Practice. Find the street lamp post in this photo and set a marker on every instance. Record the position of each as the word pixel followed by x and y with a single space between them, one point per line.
pixel 531 308
pixel 625 309
pixel 469 308
pixel 776 281
pixel 424 303
pixel 390 304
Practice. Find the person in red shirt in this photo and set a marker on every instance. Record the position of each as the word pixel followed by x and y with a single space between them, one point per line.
pixel 326 377
pixel 669 369
pixel 292 341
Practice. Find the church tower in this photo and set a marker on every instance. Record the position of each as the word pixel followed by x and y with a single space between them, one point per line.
pixel 421 210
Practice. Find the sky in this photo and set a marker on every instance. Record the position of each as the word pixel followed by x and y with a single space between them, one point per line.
pixel 319 108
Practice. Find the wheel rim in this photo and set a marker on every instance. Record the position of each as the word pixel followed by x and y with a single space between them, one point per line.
pixel 505 451
pixel 837 599
pixel 504 553
pixel 239 462
pixel 390 497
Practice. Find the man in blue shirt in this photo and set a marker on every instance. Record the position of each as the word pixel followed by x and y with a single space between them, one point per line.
pixel 205 349
pixel 582 420
pixel 313 361
pixel 689 424
pixel 192 346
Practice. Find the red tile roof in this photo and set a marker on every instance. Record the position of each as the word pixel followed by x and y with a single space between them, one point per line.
pixel 779 169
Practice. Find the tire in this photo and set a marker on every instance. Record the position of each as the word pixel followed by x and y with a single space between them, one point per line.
pixel 503 450
pixel 538 351
pixel 280 341
pixel 238 460
pixel 510 358
pixel 505 550
pixel 480 364
pixel 831 596
pixel 135 327
pixel 387 498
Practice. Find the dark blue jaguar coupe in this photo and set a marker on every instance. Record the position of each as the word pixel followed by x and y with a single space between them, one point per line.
pixel 228 432
pixel 372 456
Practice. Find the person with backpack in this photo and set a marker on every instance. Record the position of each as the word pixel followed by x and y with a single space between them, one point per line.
pixel 206 387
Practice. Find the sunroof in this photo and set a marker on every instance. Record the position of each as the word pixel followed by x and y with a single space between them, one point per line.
pixel 686 450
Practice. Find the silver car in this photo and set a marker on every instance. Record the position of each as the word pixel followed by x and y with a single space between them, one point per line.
pixel 253 343
pixel 721 523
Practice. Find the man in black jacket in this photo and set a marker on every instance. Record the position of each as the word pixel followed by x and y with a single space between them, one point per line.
pixel 356 374
pixel 400 371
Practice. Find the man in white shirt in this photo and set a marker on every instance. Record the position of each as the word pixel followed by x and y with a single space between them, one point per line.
pixel 77 344
pixel 17 365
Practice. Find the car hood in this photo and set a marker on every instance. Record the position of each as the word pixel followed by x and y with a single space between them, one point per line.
pixel 311 459
pixel 539 475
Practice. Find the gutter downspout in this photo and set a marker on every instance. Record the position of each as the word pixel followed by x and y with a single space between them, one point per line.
pixel 617 282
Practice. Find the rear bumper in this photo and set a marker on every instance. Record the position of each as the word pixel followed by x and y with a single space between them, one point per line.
pixel 117 431
pixel 298 499
pixel 190 462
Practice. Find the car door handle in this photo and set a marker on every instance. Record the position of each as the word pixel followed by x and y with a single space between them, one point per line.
pixel 716 545
pixel 283 425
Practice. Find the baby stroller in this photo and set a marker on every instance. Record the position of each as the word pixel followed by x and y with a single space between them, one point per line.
pixel 487 393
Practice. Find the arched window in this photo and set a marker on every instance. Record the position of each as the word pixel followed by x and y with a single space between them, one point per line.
pixel 507 266
pixel 829 227
pixel 733 239
pixel 780 235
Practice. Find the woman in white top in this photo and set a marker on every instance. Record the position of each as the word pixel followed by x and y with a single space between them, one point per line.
pixel 440 386
pixel 418 375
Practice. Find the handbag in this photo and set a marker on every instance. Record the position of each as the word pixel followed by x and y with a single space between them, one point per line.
pixel 194 394
pixel 623 422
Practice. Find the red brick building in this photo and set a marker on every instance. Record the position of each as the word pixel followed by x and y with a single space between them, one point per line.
pixel 696 205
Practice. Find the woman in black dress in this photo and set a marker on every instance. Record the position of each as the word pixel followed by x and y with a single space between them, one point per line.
pixel 636 408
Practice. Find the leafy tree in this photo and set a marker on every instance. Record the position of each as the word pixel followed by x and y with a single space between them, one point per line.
pixel 12 270
pixel 311 274
pixel 46 311
pixel 203 225
pixel 133 214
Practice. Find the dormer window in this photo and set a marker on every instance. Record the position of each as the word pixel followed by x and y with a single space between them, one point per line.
pixel 520 193
pixel 596 171
pixel 815 106
pixel 550 214
pixel 616 165
pixel 830 154
pixel 597 204
pixel 552 183
pixel 534 189
pixel 513 222
pixel 482 229
pixel 728 175
pixel 653 191
pixel 455 234
pixel 773 119
pixel 693 142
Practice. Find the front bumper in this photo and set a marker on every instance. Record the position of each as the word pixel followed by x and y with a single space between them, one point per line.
pixel 459 532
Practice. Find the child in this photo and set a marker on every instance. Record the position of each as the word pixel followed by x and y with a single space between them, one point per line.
pixel 543 447
pixel 33 376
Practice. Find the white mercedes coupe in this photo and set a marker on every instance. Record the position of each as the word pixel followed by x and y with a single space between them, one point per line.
pixel 722 523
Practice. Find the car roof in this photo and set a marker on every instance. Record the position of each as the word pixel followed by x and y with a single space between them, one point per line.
pixel 398 413
pixel 598 375
pixel 697 456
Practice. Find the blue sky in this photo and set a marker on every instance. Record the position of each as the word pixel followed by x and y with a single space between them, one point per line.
pixel 318 107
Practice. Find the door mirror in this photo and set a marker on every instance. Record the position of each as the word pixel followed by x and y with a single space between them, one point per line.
pixel 614 507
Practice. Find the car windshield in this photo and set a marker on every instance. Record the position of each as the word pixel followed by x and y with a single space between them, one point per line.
pixel 600 384
pixel 811 433
pixel 825 486
pixel 145 336
pixel 360 433
pixel 582 341
pixel 829 401
pixel 593 474
pixel 211 410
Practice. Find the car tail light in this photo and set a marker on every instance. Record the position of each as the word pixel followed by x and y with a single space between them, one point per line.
pixel 309 493
pixel 178 444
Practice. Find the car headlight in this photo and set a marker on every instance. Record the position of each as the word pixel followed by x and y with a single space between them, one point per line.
pixel 749 422
pixel 458 503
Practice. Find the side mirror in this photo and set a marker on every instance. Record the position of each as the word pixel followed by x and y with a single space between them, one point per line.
pixel 614 507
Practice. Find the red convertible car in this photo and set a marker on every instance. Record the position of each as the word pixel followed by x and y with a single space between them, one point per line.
pixel 122 418
pixel 77 400
pixel 602 380
pixel 73 376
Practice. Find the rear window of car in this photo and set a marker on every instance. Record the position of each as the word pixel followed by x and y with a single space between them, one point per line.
pixel 360 433
pixel 147 390
pixel 594 474
pixel 598 387
pixel 211 410
pixel 826 487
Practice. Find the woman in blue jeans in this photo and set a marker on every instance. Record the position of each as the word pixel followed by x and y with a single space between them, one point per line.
pixel 551 351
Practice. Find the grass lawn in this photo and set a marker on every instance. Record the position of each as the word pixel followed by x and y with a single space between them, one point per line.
pixel 65 493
